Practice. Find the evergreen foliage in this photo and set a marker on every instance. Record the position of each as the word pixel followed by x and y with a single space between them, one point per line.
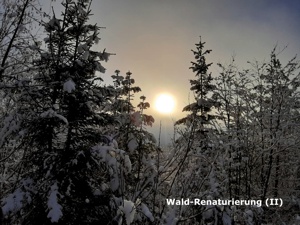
pixel 62 111
pixel 200 118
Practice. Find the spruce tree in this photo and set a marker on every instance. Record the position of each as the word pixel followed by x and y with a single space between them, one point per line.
pixel 61 174
pixel 199 160
pixel 200 117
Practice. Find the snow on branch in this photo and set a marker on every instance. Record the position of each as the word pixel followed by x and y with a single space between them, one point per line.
pixel 54 207
pixel 113 158
pixel 51 113
pixel 69 86
pixel 13 202
pixel 16 200
pixel 129 211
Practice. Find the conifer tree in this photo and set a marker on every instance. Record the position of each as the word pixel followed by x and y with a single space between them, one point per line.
pixel 199 119
pixel 132 136
pixel 199 159
pixel 61 174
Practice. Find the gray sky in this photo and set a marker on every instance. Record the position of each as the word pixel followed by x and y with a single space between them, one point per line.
pixel 153 39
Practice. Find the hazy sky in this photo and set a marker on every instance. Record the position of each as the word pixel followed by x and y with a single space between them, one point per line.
pixel 153 39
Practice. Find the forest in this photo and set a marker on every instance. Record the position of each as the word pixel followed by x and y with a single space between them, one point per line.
pixel 75 150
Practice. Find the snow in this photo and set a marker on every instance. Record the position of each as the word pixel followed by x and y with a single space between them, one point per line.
pixel 147 212
pixel 127 163
pixel 114 143
pixel 112 160
pixel 111 157
pixel 13 202
pixel 51 113
pixel 132 145
pixel 54 207
pixel 11 125
pixel 208 212
pixel 12 15
pixel 22 195
pixel 171 217
pixel 129 211
pixel 249 216
pixel 69 86
pixel 114 183
pixel 226 219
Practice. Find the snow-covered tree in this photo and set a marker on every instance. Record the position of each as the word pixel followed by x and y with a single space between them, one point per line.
pixel 260 108
pixel 200 117
pixel 62 175
pixel 72 170
pixel 17 52
pixel 133 137
pixel 277 110
pixel 247 144
pixel 197 160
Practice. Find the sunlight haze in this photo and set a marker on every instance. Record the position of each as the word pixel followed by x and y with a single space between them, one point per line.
pixel 153 39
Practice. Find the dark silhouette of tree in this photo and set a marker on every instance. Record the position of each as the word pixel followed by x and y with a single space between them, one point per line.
pixel 63 113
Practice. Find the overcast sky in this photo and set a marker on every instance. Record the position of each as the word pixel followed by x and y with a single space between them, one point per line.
pixel 153 39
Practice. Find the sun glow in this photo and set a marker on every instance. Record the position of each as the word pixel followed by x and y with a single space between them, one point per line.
pixel 164 103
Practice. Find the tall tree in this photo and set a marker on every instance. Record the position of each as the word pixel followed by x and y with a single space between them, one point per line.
pixel 17 52
pixel 198 160
pixel 63 109
pixel 200 117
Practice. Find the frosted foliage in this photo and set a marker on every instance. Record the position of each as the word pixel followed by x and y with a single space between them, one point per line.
pixel 51 113
pixel 107 155
pixel 171 217
pixel 54 207
pixel 69 86
pixel 226 219
pixel 147 212
pixel 112 157
pixel 132 145
pixel 114 183
pixel 11 125
pixel 13 202
pixel 208 213
pixel 249 216
pixel 213 183
pixel 129 211
pixel 127 163
pixel 114 143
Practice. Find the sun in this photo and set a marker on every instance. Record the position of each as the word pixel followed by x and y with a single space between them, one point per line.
pixel 164 103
